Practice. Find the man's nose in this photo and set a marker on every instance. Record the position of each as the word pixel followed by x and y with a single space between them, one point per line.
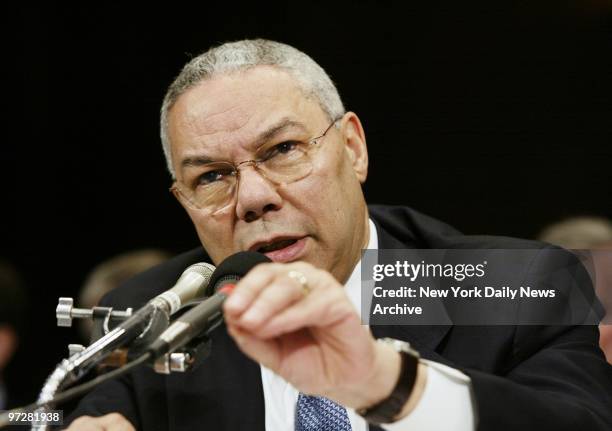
pixel 256 195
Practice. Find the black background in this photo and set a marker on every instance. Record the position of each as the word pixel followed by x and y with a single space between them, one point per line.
pixel 494 116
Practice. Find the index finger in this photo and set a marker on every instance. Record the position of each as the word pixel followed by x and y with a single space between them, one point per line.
pixel 248 288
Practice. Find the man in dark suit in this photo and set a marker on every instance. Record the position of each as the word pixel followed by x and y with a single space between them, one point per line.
pixel 265 158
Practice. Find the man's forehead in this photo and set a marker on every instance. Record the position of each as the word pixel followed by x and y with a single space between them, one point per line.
pixel 229 102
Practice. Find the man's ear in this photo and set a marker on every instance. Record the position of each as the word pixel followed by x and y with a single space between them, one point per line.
pixel 355 145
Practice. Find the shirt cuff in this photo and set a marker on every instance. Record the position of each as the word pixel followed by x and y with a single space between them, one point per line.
pixel 447 402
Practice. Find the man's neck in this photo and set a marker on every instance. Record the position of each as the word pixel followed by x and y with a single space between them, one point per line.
pixel 364 233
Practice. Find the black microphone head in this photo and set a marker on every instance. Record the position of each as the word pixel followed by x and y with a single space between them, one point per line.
pixel 234 267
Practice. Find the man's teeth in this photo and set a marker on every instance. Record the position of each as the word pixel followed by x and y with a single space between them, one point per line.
pixel 277 245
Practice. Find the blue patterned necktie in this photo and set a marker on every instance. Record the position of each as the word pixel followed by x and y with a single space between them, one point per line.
pixel 320 414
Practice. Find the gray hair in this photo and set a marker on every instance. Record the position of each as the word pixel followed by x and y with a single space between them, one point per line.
pixel 245 54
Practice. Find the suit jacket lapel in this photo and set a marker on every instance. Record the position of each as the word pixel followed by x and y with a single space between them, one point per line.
pixel 424 338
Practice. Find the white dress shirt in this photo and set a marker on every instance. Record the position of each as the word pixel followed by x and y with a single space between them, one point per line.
pixel 446 402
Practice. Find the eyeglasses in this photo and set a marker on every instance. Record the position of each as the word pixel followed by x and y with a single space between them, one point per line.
pixel 214 185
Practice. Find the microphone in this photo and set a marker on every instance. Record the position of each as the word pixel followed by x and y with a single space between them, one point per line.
pixel 191 284
pixel 153 317
pixel 208 313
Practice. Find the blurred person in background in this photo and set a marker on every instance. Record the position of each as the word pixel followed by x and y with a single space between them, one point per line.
pixel 12 312
pixel 593 233
pixel 110 274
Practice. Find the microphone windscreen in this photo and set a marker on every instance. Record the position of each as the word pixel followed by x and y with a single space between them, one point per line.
pixel 235 267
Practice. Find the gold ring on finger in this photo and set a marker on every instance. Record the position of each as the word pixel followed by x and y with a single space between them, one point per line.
pixel 300 278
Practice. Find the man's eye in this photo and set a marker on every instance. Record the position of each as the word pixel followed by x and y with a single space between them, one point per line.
pixel 282 148
pixel 210 177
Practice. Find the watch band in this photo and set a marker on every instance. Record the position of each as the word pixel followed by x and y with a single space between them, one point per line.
pixel 386 410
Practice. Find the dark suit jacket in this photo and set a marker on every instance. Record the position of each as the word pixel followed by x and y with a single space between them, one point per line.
pixel 523 378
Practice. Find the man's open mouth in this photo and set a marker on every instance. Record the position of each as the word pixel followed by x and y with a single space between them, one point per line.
pixel 276 245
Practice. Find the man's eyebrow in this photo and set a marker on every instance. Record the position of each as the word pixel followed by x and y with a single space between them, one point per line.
pixel 281 126
pixel 190 162
pixel 266 135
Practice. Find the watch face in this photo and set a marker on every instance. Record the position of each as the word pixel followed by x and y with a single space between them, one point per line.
pixel 400 346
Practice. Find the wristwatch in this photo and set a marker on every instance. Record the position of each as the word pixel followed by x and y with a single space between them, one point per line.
pixel 386 410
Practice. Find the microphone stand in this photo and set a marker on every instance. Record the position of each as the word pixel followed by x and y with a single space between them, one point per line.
pixel 76 366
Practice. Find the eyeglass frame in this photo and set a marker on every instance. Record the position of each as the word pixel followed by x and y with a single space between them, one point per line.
pixel 175 189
